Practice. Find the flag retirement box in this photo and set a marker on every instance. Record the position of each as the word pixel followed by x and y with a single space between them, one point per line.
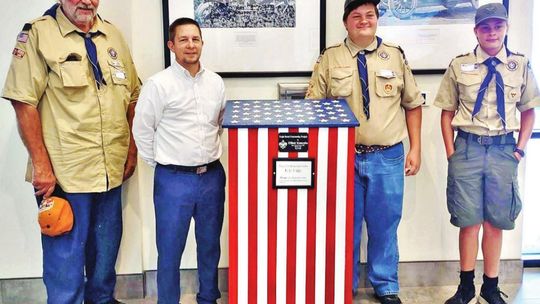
pixel 291 204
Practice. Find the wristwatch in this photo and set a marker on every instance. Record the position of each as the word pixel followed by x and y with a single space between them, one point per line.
pixel 519 151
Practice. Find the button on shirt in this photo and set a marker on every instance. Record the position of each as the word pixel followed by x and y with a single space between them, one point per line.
pixel 178 117
pixel 392 88
pixel 461 83
pixel 85 128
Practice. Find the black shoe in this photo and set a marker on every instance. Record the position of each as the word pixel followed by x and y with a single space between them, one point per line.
pixel 389 299
pixel 492 296
pixel 462 296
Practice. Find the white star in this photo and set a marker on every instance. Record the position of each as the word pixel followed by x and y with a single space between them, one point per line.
pixel 335 101
pixel 331 113
pixel 235 116
pixel 319 110
pixel 324 120
pixel 236 102
pixel 333 117
pixel 235 111
pixel 234 121
pixel 340 110
pixel 342 115
pixel 346 120
pixel 256 111
pixel 301 120
pixel 322 115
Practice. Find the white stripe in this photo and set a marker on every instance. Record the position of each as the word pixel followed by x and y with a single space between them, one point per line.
pixel 341 211
pixel 281 244
pixel 320 251
pixel 262 217
pixel 301 237
pixel 242 215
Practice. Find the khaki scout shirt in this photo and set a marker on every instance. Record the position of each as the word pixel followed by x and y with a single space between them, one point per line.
pixel 85 129
pixel 462 80
pixel 392 87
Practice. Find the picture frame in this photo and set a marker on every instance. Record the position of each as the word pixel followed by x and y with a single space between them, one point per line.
pixel 249 40
pixel 429 33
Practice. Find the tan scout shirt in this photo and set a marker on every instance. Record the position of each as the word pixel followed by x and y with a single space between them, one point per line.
pixel 462 81
pixel 392 87
pixel 85 129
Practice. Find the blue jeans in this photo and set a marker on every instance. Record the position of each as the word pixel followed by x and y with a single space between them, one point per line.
pixel 378 199
pixel 92 246
pixel 179 196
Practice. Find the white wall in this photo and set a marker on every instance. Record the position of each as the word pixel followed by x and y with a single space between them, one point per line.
pixel 424 235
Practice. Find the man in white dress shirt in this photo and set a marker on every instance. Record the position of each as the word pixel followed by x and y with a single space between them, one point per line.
pixel 177 130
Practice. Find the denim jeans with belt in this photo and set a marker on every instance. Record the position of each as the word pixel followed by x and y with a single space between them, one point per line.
pixel 179 196
pixel 91 246
pixel 378 199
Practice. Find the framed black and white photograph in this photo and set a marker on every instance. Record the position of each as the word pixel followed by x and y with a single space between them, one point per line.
pixel 254 37
pixel 431 32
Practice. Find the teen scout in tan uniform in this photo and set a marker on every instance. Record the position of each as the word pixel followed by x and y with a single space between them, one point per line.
pixel 391 111
pixel 480 95
pixel 73 85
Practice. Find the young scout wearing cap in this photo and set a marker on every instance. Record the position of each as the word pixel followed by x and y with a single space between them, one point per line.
pixel 388 109
pixel 480 95
pixel 73 86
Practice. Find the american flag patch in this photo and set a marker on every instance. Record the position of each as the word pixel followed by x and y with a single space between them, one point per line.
pixel 22 37
pixel 18 53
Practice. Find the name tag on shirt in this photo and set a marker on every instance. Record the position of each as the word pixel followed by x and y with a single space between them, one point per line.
pixel 386 73
pixel 469 67
pixel 120 75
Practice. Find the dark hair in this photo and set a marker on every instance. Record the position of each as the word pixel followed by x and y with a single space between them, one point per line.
pixel 353 5
pixel 179 22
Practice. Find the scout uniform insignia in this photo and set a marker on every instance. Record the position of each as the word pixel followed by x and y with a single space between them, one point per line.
pixel 18 53
pixel 384 55
pixel 112 52
pixel 388 88
pixel 22 37
pixel 512 65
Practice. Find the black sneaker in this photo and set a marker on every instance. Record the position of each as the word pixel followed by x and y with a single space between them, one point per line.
pixel 462 296
pixel 389 299
pixel 492 296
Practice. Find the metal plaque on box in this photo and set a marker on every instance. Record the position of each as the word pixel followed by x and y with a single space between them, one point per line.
pixel 293 142
pixel 293 173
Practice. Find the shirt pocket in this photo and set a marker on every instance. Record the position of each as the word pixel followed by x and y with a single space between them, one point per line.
pixel 469 85
pixel 73 73
pixel 118 72
pixel 387 83
pixel 341 82
pixel 512 89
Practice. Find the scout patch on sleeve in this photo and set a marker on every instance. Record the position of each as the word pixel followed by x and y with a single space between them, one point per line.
pixel 18 53
pixel 512 65
pixel 22 37
pixel 27 27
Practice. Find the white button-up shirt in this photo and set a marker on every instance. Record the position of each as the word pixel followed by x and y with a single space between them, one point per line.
pixel 178 117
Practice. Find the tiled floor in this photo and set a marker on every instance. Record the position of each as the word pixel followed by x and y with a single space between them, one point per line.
pixel 526 293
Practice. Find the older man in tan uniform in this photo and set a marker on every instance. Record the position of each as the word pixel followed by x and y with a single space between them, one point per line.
pixel 73 86
pixel 388 109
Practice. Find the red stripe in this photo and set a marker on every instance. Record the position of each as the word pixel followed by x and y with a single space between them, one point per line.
pixel 292 201
pixel 272 216
pixel 252 214
pixel 313 146
pixel 331 215
pixel 233 216
pixel 349 218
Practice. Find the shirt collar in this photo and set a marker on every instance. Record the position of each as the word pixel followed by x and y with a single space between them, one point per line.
pixel 481 55
pixel 183 71
pixel 66 27
pixel 354 49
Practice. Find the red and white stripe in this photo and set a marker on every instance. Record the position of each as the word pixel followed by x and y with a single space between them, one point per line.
pixel 290 245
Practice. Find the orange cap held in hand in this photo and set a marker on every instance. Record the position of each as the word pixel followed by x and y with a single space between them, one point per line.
pixel 55 216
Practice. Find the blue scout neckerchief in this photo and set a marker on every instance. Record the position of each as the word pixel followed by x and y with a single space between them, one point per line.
pixel 89 45
pixel 363 72
pixel 491 63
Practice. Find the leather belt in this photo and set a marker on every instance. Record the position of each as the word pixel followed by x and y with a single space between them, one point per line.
pixel 505 139
pixel 360 149
pixel 194 169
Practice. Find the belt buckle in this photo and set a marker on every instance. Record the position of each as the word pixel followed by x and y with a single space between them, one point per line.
pixel 485 140
pixel 202 169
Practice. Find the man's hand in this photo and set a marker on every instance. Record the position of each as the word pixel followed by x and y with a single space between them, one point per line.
pixel 43 180
pixel 129 166
pixel 412 162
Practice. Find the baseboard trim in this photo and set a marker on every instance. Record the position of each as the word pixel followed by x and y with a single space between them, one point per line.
pixel 137 286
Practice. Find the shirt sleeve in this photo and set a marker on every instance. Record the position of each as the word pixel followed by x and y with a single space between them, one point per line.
pixel 530 95
pixel 148 113
pixel 410 95
pixel 319 77
pixel 223 102
pixel 447 97
pixel 28 74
